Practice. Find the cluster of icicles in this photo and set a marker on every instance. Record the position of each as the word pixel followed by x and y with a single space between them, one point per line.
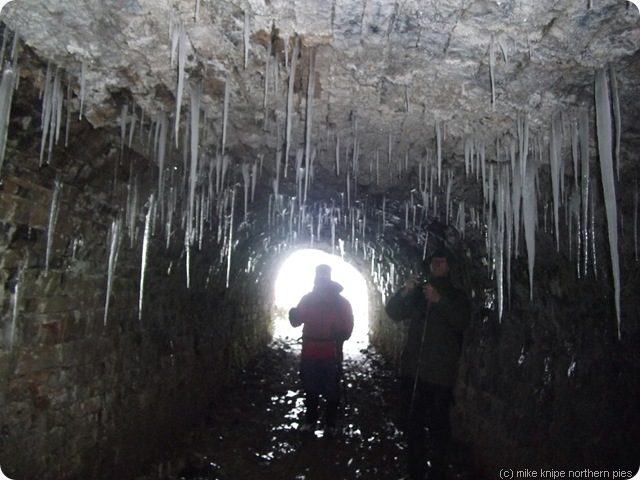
pixel 511 190
pixel 204 193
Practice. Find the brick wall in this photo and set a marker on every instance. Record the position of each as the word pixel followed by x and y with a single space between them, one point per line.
pixel 81 399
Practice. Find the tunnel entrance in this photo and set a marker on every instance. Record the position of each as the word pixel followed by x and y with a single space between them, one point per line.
pixel 295 278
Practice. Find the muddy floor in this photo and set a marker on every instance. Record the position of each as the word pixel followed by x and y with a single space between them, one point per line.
pixel 252 431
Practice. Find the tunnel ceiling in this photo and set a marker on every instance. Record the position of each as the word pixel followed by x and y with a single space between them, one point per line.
pixel 385 72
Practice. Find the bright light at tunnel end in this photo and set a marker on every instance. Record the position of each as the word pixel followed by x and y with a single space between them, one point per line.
pixel 295 279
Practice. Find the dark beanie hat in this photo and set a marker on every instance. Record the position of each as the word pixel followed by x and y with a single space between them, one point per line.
pixel 443 252
pixel 323 272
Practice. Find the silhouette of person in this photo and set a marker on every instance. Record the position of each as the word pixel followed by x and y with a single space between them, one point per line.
pixel 328 322
pixel 438 314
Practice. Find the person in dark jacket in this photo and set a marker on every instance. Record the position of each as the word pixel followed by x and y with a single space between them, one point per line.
pixel 328 322
pixel 438 314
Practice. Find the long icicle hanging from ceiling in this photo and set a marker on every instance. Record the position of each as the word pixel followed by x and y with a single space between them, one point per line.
pixel 179 35
pixel 605 150
pixel 292 75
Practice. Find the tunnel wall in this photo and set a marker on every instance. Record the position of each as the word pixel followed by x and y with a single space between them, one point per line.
pixel 550 385
pixel 85 398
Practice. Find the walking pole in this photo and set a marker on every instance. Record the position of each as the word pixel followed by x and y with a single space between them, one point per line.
pixel 415 380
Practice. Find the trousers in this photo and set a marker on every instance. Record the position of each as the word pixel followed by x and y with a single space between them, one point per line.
pixel 321 378
pixel 427 427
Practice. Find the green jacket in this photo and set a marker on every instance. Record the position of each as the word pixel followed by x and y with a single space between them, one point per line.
pixel 435 361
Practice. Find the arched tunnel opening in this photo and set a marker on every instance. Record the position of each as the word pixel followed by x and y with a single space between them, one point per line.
pixel 295 279
pixel 161 171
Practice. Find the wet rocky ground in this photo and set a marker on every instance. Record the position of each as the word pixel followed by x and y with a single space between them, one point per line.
pixel 252 430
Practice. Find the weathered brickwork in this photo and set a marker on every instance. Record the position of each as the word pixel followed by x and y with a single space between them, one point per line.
pixel 85 399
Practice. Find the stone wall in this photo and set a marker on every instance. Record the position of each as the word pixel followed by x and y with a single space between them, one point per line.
pixel 551 385
pixel 83 396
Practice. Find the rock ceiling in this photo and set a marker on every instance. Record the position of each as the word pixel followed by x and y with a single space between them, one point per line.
pixel 387 73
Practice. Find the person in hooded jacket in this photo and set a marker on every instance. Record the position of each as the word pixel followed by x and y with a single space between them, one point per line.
pixel 328 322
pixel 438 314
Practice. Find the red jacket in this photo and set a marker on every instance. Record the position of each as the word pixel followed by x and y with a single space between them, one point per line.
pixel 328 321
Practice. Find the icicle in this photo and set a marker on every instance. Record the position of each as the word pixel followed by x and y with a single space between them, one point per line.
pixel 225 166
pixel 132 209
pixel 468 153
pixel 83 80
pixel 338 155
pixel 604 127
pixel 53 217
pixel 46 110
pixel 276 74
pixel 266 88
pixel 182 55
pixel 516 194
pixel 299 174
pixel 123 127
pixel 498 241
pixel 145 250
pixel 246 179
pixel 132 126
pixel 193 168
pixel 292 75
pixel 276 181
pixel 202 216
pixel 53 109
pixel 160 156
pixel 16 305
pixel 584 172
pixel 246 39
pixel 6 95
pixel 555 144
pixel 254 179
pixel 171 202
pixel 309 118
pixel 225 114
pixel 529 203
pixel 114 242
pixel 140 137
pixel 615 99
pixel 233 201
pixel 68 119
pixel 492 64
